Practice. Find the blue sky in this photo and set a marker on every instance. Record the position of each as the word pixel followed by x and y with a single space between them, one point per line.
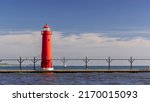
pixel 75 15
pixel 81 28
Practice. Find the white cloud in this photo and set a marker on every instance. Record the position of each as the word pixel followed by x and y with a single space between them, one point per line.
pixel 73 46
pixel 25 45
pixel 95 45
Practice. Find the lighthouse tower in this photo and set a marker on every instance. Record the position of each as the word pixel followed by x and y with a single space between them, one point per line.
pixel 46 55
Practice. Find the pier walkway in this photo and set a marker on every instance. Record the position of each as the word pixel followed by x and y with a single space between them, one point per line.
pixel 78 71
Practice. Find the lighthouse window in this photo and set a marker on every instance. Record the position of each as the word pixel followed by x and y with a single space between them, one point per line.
pixel 48 29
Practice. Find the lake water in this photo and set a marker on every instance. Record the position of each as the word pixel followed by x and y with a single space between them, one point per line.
pixel 74 78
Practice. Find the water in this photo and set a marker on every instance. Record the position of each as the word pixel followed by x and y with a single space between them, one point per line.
pixel 74 78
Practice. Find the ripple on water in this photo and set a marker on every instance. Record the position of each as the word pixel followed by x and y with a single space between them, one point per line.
pixel 75 78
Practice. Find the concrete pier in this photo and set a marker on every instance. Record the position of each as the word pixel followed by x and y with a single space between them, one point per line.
pixel 78 71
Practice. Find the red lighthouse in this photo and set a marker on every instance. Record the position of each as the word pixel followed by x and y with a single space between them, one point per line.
pixel 46 62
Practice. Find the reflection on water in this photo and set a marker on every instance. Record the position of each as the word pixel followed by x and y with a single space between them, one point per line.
pixel 75 78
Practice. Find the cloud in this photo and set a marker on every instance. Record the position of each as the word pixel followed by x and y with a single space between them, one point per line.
pixel 128 32
pixel 94 45
pixel 23 44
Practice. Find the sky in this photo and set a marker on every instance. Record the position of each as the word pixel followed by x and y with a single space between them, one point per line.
pixel 93 28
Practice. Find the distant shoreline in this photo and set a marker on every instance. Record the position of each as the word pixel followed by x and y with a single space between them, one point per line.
pixel 6 64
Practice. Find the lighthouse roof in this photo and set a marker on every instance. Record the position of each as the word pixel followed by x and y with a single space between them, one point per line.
pixel 46 26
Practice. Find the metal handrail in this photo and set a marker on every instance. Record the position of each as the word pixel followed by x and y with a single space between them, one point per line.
pixel 86 60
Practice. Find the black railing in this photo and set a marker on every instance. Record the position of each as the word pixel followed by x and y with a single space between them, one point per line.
pixel 64 60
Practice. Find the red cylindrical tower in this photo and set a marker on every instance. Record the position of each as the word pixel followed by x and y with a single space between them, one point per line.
pixel 46 55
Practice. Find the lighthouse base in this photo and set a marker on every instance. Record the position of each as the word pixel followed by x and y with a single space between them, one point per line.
pixel 48 69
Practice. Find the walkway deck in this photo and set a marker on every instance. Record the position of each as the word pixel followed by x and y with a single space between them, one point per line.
pixel 78 71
